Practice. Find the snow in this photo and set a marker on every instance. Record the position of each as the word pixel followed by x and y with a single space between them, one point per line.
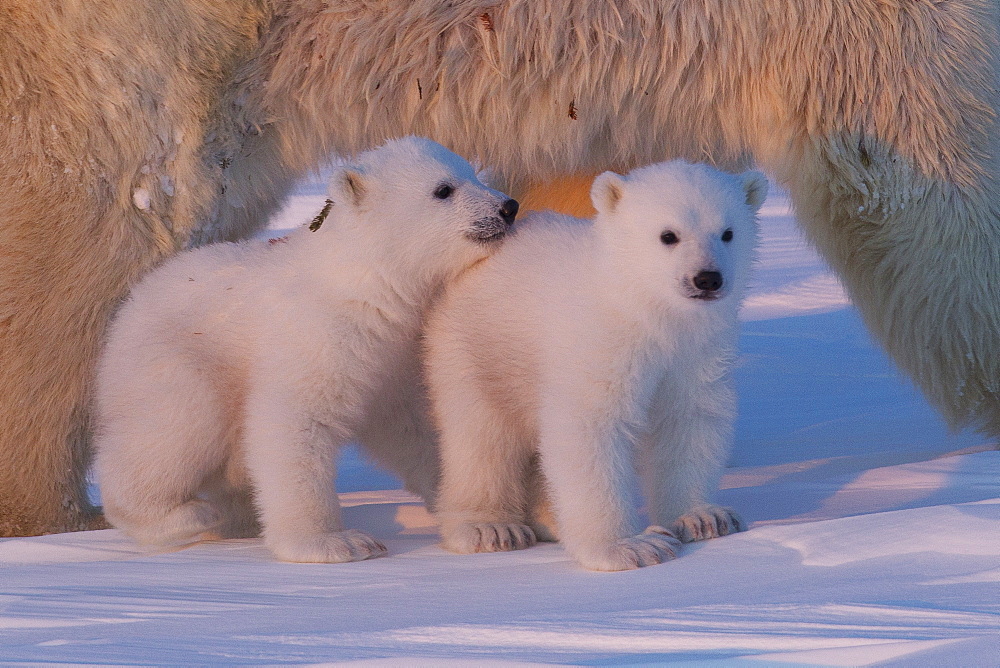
pixel 875 539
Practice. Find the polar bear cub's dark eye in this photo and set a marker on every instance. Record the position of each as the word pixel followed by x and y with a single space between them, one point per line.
pixel 727 236
pixel 669 238
pixel 443 191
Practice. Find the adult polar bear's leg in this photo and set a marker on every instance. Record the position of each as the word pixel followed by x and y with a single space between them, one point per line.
pixel 105 171
pixel 52 277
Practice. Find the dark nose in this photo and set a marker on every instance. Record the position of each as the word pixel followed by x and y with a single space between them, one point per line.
pixel 508 211
pixel 708 281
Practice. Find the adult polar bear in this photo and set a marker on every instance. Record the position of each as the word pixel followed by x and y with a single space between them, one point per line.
pixel 132 128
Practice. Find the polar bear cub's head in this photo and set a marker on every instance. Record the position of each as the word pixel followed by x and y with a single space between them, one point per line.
pixel 680 232
pixel 421 206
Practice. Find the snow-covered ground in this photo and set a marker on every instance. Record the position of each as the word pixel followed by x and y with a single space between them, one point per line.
pixel 875 539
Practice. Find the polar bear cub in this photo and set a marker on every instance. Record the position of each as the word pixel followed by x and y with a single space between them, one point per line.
pixel 603 349
pixel 234 371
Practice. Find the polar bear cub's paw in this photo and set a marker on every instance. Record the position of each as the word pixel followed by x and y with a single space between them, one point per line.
pixel 653 546
pixel 327 548
pixel 471 537
pixel 707 522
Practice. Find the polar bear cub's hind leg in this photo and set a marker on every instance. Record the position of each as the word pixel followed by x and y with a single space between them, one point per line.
pixel 484 506
pixel 171 410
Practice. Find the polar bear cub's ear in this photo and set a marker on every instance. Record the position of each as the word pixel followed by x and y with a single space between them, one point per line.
pixel 607 191
pixel 755 188
pixel 348 185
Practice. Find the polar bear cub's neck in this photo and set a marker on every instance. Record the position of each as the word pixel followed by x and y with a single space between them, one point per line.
pixel 340 262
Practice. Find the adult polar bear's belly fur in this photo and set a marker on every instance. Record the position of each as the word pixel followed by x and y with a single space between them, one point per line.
pixel 130 129
pixel 235 371
pixel 603 348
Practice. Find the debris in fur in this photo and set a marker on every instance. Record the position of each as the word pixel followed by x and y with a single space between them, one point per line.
pixel 318 220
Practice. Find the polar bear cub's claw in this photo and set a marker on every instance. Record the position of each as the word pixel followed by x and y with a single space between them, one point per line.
pixel 707 522
pixel 471 537
pixel 653 546
pixel 328 548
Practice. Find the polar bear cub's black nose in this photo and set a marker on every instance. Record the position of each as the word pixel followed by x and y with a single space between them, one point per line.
pixel 708 281
pixel 508 211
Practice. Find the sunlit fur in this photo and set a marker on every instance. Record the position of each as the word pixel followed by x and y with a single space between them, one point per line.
pixel 583 343
pixel 234 372
pixel 132 128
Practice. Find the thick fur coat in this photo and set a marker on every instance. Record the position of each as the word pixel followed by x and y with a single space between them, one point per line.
pixel 600 351
pixel 234 372
pixel 130 129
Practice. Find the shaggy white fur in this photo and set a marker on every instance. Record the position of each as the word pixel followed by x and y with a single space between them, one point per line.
pixel 235 371
pixel 604 347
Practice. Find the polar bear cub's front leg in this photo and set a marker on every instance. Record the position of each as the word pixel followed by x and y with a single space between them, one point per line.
pixel 591 472
pixel 291 460
pixel 686 443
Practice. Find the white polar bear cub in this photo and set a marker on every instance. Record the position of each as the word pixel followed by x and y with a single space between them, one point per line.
pixel 235 371
pixel 602 348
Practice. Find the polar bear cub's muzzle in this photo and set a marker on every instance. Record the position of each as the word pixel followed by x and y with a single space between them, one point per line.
pixel 493 228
